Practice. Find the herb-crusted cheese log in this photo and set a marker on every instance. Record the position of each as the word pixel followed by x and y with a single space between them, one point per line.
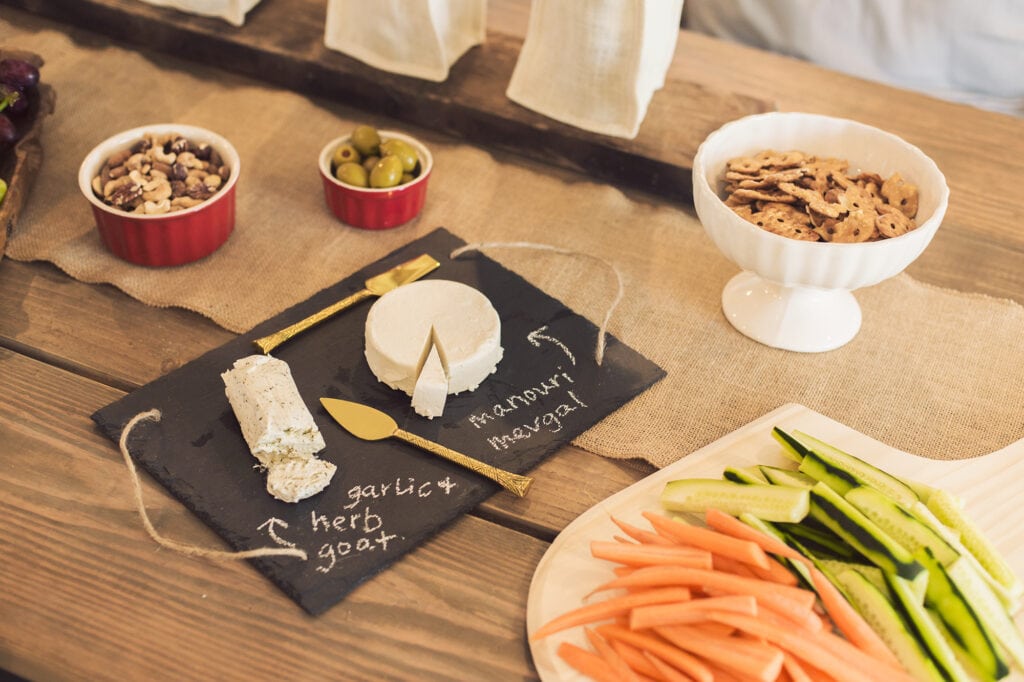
pixel 275 421
pixel 278 428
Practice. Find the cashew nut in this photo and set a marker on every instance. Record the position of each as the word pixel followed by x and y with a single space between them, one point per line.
pixel 153 207
pixel 158 190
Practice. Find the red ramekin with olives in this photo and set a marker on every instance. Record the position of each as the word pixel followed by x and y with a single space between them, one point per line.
pixel 375 179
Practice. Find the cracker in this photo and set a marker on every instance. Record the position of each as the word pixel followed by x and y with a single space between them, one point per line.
pixel 901 194
pixel 892 222
pixel 814 198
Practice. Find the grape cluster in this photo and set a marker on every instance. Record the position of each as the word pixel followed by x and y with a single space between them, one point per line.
pixel 18 79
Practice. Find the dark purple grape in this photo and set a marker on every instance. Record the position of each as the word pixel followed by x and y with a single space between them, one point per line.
pixel 8 133
pixel 17 101
pixel 19 73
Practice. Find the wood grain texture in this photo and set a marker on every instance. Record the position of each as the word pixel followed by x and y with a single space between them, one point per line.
pixel 77 562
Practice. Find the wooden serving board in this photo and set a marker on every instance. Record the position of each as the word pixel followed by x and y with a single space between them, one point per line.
pixel 281 44
pixel 387 497
pixel 989 487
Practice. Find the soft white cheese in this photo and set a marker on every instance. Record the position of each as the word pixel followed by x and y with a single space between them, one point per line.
pixel 275 421
pixel 291 480
pixel 431 390
pixel 466 332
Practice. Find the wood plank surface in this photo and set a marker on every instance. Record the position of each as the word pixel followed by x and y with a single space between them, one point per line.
pixel 77 562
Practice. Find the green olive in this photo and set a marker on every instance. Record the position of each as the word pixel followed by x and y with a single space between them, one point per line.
pixel 366 140
pixel 403 150
pixel 352 173
pixel 387 172
pixel 369 162
pixel 407 177
pixel 345 153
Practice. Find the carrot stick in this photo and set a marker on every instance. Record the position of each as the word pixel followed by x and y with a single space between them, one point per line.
pixel 709 539
pixel 667 672
pixel 848 619
pixel 730 525
pixel 693 611
pixel 621 669
pixel 641 535
pixel 610 608
pixel 820 650
pixel 587 662
pixel 729 565
pixel 809 622
pixel 644 555
pixel 749 658
pixel 793 668
pixel 782 597
pixel 845 617
pixel 669 653
pixel 637 660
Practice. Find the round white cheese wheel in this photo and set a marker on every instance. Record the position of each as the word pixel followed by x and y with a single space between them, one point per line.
pixel 405 324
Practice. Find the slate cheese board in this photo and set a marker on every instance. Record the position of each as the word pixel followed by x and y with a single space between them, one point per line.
pixel 387 496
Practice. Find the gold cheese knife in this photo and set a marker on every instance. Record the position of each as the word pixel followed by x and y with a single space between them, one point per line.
pixel 369 423
pixel 378 285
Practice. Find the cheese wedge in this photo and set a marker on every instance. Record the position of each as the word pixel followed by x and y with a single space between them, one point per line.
pixel 431 390
pixel 406 324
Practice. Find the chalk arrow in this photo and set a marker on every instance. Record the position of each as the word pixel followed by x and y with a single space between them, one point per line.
pixel 271 525
pixel 537 335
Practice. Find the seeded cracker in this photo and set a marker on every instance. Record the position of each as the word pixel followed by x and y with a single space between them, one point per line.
pixel 804 197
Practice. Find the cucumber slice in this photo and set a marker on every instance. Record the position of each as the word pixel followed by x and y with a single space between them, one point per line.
pixel 768 502
pixel 949 511
pixel 988 607
pixel 875 544
pixel 820 542
pixel 967 631
pixel 873 574
pixel 858 469
pixel 900 524
pixel 749 475
pixel 780 476
pixel 790 446
pixel 916 616
pixel 878 611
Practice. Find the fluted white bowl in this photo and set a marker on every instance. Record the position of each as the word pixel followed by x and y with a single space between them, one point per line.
pixel 796 294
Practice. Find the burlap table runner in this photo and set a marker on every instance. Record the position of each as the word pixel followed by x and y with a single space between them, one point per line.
pixel 934 372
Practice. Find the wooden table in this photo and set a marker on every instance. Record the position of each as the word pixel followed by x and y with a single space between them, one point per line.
pixel 85 594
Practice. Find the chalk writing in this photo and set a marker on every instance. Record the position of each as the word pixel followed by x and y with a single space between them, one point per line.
pixel 271 525
pixel 397 488
pixel 524 398
pixel 358 527
pixel 549 421
pixel 535 336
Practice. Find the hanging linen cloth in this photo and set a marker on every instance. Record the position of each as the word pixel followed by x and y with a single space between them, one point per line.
pixel 418 38
pixel 595 64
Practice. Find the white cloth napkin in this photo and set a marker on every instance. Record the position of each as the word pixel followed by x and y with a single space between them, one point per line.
pixel 418 38
pixel 595 64
pixel 231 11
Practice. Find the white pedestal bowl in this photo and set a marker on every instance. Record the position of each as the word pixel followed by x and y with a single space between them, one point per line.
pixel 796 295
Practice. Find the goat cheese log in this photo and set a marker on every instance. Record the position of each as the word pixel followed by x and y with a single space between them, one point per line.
pixel 277 427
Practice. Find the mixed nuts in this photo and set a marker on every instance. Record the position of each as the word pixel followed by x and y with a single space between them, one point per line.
pixel 161 174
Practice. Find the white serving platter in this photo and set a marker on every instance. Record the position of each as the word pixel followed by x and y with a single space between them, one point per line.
pixel 992 487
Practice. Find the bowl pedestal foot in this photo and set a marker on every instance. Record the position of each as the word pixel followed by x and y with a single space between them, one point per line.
pixel 802 319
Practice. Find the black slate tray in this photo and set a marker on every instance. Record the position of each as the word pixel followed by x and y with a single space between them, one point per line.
pixel 387 496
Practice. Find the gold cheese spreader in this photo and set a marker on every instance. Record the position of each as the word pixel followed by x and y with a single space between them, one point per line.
pixel 369 423
pixel 378 285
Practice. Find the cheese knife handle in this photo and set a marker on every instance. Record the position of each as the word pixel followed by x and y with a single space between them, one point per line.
pixel 269 343
pixel 514 483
